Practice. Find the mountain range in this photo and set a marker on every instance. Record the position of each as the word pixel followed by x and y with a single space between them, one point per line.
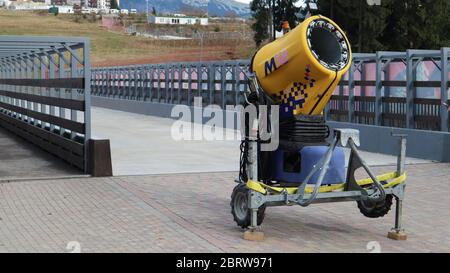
pixel 212 7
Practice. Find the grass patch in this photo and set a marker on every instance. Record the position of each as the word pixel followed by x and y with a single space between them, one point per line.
pixel 109 47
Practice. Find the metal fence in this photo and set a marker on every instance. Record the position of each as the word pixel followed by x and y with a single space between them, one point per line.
pixel 397 89
pixel 45 93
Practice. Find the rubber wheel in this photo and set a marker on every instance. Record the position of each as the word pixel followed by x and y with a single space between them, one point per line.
pixel 375 209
pixel 239 207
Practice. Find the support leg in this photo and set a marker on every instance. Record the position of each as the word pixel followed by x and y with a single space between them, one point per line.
pixel 254 233
pixel 397 233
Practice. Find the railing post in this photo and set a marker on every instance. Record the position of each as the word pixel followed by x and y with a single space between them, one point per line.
pixel 36 74
pixel 30 74
pixel 87 102
pixel 51 91
pixel 189 95
pixel 410 90
pixel 119 83
pixel 172 82
pixel 116 83
pixel 236 84
pixel 199 80
pixel 104 83
pixel 166 83
pixel 363 87
pixel 211 82
pixel 223 75
pixel 136 83
pixel 387 70
pixel 109 83
pixel 351 93
pixel 143 82
pixel 378 91
pixel 444 111
pixel 73 95
pixel 180 83
pixel 151 82
pixel 16 88
pixel 61 91
pixel 158 69
pixel 130 82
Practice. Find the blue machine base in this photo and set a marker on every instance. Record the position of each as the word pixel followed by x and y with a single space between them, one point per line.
pixel 294 167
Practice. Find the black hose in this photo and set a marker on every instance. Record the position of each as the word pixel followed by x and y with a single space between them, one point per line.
pixel 243 177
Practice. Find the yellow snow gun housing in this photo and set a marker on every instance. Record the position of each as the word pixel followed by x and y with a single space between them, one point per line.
pixel 301 69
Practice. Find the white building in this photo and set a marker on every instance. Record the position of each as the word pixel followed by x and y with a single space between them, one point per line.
pixel 178 19
pixel 104 4
pixel 100 4
pixel 5 3
pixel 65 9
pixel 27 6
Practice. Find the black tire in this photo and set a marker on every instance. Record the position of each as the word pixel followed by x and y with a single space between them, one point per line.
pixel 375 209
pixel 239 207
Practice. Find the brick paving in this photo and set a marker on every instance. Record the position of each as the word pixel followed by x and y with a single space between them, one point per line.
pixel 191 213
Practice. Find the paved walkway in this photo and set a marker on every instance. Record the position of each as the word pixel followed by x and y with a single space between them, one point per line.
pixel 21 159
pixel 191 213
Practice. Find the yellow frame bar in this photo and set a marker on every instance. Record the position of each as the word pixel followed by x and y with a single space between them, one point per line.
pixel 263 188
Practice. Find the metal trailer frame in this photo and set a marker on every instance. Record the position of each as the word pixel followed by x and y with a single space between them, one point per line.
pixel 352 191
pixel 45 93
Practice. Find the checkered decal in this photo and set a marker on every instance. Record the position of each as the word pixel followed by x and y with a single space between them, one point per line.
pixel 292 99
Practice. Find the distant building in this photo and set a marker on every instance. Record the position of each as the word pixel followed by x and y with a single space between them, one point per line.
pixel 66 9
pixel 99 4
pixel 59 2
pixel 177 19
pixel 74 2
pixel 5 3
pixel 27 6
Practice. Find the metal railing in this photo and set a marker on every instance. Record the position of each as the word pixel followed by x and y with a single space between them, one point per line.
pixel 219 83
pixel 45 93
pixel 397 89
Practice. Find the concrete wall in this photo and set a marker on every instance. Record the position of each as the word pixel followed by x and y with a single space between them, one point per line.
pixel 421 144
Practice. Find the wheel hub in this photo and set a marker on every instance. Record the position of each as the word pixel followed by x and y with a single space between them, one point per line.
pixel 241 206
